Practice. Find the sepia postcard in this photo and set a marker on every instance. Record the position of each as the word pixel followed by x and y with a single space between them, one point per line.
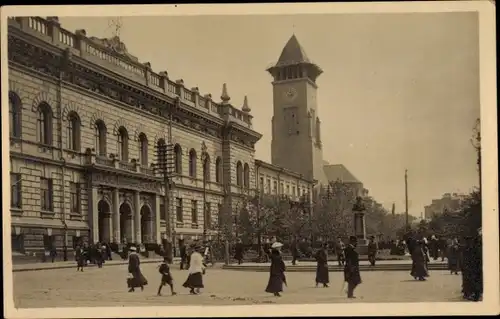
pixel 249 160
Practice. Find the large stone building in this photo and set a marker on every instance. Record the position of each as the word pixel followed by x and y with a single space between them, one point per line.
pixel 450 202
pixel 86 122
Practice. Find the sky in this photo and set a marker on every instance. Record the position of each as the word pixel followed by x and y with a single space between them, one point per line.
pixel 399 91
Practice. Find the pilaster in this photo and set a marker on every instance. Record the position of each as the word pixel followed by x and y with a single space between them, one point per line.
pixel 137 217
pixel 116 216
pixel 157 219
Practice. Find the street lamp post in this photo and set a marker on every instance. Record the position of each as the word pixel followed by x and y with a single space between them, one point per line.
pixel 204 159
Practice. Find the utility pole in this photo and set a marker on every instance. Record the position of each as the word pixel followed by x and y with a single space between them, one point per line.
pixel 406 199
pixel 204 159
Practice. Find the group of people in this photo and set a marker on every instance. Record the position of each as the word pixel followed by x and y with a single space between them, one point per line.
pixel 352 276
pixel 194 281
pixel 96 253
pixel 464 257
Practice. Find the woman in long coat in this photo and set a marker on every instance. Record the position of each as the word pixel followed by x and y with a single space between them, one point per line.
pixel 138 279
pixel 322 275
pixel 276 271
pixel 454 257
pixel 196 270
pixel 419 269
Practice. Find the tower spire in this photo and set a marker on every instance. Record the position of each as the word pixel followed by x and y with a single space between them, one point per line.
pixel 245 108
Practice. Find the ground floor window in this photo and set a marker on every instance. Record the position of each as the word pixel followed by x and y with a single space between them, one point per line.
pixel 77 241
pixel 48 242
pixel 17 242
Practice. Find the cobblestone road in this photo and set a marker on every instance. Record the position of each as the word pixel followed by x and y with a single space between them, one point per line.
pixel 106 288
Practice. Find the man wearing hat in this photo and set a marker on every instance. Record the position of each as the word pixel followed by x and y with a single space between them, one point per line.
pixel 276 271
pixel 351 268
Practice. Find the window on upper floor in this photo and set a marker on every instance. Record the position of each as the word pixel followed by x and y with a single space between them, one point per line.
pixel 73 137
pixel 143 150
pixel 178 159
pixel 192 163
pixel 15 190
pixel 44 124
pixel 194 212
pixel 15 115
pixel 46 194
pixel 246 175
pixel 123 143
pixel 100 138
pixel 75 197
pixel 239 174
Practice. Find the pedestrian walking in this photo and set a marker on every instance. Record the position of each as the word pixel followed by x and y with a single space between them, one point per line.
pixel 138 279
pixel 196 269
pixel 238 251
pixel 351 269
pixel 372 251
pixel 295 252
pixel 419 267
pixel 166 277
pixel 454 257
pixel 276 271
pixel 80 258
pixel 322 275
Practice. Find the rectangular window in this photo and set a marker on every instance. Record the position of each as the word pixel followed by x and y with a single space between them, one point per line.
pixel 282 189
pixel 15 190
pixel 275 187
pixel 261 185
pixel 178 209
pixel 48 242
pixel 75 197
pixel 17 243
pixel 293 190
pixel 46 193
pixel 163 212
pixel 268 188
pixel 288 189
pixel 194 212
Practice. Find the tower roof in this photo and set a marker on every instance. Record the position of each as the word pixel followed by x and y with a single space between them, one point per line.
pixel 293 53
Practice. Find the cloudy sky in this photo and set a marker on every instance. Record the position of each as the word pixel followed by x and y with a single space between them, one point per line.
pixel 398 90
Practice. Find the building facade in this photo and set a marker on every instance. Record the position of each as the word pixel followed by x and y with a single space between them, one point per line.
pixel 86 122
pixel 448 202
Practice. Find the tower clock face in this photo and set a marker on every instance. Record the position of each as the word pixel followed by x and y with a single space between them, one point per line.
pixel 290 94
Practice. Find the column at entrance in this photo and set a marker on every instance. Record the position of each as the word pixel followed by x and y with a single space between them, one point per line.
pixel 94 212
pixel 157 219
pixel 137 217
pixel 116 216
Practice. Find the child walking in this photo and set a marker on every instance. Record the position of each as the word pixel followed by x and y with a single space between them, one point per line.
pixel 166 277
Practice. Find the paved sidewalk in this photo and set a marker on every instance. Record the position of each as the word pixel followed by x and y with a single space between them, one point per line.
pixel 334 263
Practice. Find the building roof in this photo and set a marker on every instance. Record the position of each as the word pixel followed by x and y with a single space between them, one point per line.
pixel 293 53
pixel 339 172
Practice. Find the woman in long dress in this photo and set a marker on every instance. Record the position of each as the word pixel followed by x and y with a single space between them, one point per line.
pixel 419 269
pixel 138 279
pixel 453 257
pixel 196 269
pixel 276 271
pixel 322 275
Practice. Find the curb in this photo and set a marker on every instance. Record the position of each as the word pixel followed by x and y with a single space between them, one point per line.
pixel 89 265
pixel 334 268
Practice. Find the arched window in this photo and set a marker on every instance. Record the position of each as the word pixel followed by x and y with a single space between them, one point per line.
pixel 44 124
pixel 192 163
pixel 73 138
pixel 178 159
pixel 143 150
pixel 246 175
pixel 100 138
pixel 206 167
pixel 15 107
pixel 123 144
pixel 218 170
pixel 239 174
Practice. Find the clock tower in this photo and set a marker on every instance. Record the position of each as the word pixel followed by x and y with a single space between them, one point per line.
pixel 296 127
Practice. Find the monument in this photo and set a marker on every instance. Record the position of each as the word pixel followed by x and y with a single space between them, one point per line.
pixel 358 210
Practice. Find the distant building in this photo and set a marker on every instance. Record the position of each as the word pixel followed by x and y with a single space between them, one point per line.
pixel 449 201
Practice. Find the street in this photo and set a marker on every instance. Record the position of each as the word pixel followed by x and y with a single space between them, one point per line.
pixel 106 287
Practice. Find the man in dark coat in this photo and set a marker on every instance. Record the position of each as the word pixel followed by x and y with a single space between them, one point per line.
pixel 137 280
pixel 276 271
pixel 80 258
pixel 372 251
pixel 419 267
pixel 238 251
pixel 351 268
pixel 454 257
pixel 322 275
